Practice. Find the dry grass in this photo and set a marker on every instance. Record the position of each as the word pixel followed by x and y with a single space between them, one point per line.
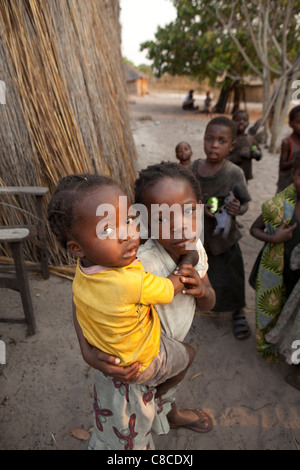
pixel 67 109
pixel 178 84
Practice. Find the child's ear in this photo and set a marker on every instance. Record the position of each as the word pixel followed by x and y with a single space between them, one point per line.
pixel 232 144
pixel 75 249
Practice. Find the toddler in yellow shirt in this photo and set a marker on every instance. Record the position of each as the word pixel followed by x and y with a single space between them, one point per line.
pixel 113 294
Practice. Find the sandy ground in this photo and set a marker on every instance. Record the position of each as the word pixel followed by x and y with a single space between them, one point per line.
pixel 46 388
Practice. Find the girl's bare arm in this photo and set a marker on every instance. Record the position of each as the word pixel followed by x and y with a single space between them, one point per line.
pixel 284 164
pixel 282 234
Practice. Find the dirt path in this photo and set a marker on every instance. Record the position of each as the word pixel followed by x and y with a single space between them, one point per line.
pixel 46 388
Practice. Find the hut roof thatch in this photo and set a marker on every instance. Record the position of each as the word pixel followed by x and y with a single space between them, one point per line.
pixel 66 102
pixel 133 74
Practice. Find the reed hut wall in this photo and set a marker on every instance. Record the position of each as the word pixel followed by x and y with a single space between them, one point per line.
pixel 66 105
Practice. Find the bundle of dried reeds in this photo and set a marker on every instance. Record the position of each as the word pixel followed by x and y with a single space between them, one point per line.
pixel 66 106
pixel 67 272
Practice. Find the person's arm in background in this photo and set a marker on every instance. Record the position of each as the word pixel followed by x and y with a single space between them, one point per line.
pixel 284 163
pixel 282 234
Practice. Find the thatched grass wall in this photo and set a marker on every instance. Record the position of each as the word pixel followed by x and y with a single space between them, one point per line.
pixel 66 103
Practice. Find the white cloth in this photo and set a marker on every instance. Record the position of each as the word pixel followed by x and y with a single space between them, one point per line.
pixel 176 318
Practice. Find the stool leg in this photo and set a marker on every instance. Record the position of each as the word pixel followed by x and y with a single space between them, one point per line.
pixel 24 289
pixel 42 238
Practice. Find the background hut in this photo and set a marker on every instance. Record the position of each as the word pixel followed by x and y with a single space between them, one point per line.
pixel 253 90
pixel 137 81
pixel 66 99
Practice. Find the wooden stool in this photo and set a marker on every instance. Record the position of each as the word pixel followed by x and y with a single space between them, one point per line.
pixel 19 281
pixel 37 231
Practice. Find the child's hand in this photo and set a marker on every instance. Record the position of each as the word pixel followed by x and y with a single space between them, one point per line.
pixel 233 207
pixel 108 365
pixel 207 211
pixel 192 257
pixel 193 284
pixel 284 233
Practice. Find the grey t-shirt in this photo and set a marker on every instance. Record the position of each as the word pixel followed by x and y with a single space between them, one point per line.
pixel 229 178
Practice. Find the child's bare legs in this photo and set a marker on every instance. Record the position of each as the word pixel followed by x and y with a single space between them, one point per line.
pixel 173 381
pixel 193 419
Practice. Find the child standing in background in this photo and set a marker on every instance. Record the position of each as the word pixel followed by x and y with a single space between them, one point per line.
pixel 246 147
pixel 218 178
pixel 289 146
pixel 183 152
pixel 279 227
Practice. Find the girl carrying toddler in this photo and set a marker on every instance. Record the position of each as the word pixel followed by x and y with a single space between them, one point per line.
pixel 129 428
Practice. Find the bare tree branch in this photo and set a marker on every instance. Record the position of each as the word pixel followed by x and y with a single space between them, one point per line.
pixel 236 41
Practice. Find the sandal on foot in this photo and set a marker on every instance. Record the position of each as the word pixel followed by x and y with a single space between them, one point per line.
pixel 202 424
pixel 241 329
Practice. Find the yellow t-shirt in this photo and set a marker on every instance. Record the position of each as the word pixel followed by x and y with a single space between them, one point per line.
pixel 115 312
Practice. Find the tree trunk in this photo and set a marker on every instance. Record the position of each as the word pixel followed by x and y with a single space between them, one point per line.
pixel 236 97
pixel 220 106
pixel 266 102
pixel 281 108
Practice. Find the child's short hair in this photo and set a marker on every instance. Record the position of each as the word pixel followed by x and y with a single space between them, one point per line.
pixel 224 121
pixel 238 112
pixel 153 173
pixel 293 112
pixel 61 214
pixel 296 160
pixel 181 143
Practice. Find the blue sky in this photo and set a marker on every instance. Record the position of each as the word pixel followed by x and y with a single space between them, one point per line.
pixel 139 20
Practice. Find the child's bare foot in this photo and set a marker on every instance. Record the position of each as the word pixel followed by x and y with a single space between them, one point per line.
pixel 191 418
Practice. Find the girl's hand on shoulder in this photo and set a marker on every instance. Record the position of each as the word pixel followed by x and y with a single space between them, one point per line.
pixel 284 233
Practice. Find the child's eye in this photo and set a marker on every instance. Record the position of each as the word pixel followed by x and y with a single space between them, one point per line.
pixel 130 221
pixel 162 219
pixel 189 211
pixel 105 232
